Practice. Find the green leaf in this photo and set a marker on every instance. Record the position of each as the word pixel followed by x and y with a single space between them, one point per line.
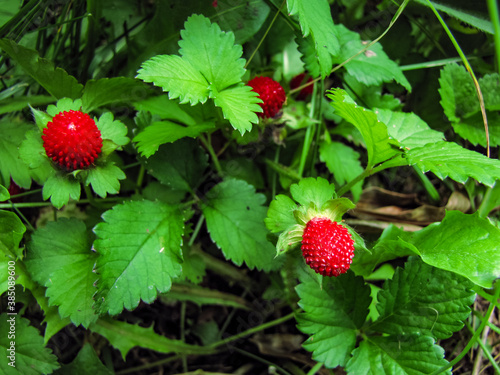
pixel 371 67
pixel 423 300
pixel 235 220
pixel 458 94
pixel 125 336
pixel 64 105
pixel 313 190
pixel 333 315
pixel 112 129
pixel 408 129
pixel 280 214
pixel 8 9
pixel 315 19
pixel 139 247
pixel 4 193
pixel 378 143
pixel 168 109
pixel 179 165
pixel 175 75
pixel 158 133
pixel 20 102
pixel 239 106
pixel 447 159
pixel 464 244
pixel 56 81
pixel 11 233
pixel 30 356
pixel 307 48
pixel 33 155
pixel 86 362
pixel 212 52
pixel 343 162
pixel 397 355
pixel 12 133
pixel 105 179
pixel 60 187
pixel 60 258
pixel 105 91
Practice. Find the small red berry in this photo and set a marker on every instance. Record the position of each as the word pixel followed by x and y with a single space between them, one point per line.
pixel 300 80
pixel 72 140
pixel 327 246
pixel 271 93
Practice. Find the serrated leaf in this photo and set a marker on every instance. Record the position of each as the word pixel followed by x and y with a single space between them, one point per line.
pixel 372 67
pixel 33 155
pixel 423 300
pixel 212 52
pixel 105 179
pixel 458 94
pixel 179 165
pixel 86 362
pixel 408 129
pixel 235 214
pixel 30 356
pixel 378 144
pixel 64 105
pixel 105 91
pixel 12 134
pixel 124 336
pixel 167 109
pixel 464 244
pixel 447 159
pixel 239 106
pixel 307 48
pixel 158 133
pixel 175 75
pixel 60 258
pixel 313 190
pixel 56 81
pixel 472 129
pixel 280 214
pixel 11 233
pixel 139 248
pixel 397 355
pixel 60 188
pixel 112 129
pixel 333 314
pixel 343 162
pixel 316 20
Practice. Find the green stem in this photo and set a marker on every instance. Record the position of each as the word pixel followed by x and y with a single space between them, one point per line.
pixel 476 335
pixel 208 145
pixel 281 169
pixel 315 369
pixel 196 230
pixel 485 350
pixel 140 178
pixel 432 193
pixel 495 20
pixel 471 72
pixel 344 189
pixel 46 204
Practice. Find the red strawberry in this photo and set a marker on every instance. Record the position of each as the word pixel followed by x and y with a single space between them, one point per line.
pixel 271 93
pixel 327 246
pixel 300 80
pixel 72 140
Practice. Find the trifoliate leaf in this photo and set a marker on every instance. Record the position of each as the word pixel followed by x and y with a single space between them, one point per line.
pixel 139 248
pixel 11 233
pixel 56 81
pixel 280 214
pixel 212 52
pixel 447 159
pixel 60 257
pixel 316 20
pixel 371 67
pixel 105 91
pixel 343 162
pixel 239 106
pixel 235 219
pixel 112 129
pixel 408 129
pixel 29 355
pixel 158 133
pixel 313 190
pixel 64 105
pixel 12 133
pixel 333 314
pixel 105 179
pixel 175 75
pixel 378 143
pixel 464 244
pixel 60 187
pixel 423 300
pixel 179 165
pixel 86 362
pixel 397 355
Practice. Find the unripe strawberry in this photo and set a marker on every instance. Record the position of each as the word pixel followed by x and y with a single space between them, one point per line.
pixel 300 80
pixel 72 140
pixel 271 93
pixel 327 246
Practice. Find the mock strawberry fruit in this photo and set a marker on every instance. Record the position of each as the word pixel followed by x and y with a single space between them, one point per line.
pixel 300 80
pixel 271 93
pixel 72 140
pixel 327 246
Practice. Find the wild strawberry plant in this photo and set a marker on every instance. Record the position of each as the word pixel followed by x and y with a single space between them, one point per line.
pixel 227 151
